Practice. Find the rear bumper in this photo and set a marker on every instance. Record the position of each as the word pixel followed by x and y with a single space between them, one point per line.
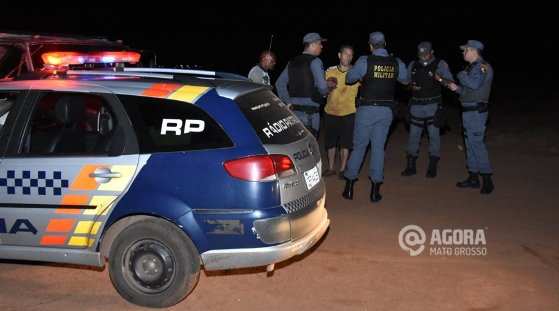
pixel 262 256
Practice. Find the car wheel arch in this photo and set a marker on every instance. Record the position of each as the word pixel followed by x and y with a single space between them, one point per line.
pixel 110 233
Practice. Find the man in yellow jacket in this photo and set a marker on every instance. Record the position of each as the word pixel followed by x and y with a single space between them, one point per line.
pixel 340 111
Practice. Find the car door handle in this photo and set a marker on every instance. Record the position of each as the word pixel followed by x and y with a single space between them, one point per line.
pixel 105 174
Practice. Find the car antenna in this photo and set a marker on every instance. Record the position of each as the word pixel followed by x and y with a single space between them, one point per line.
pixel 271 41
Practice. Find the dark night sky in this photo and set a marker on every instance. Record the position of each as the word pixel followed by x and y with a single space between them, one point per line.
pixel 518 41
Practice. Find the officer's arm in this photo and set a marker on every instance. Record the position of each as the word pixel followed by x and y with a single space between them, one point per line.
pixel 473 79
pixel 318 75
pixel 329 74
pixel 410 66
pixel 358 71
pixel 444 71
pixel 403 76
pixel 281 86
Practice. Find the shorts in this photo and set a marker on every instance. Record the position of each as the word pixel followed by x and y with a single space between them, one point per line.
pixel 339 131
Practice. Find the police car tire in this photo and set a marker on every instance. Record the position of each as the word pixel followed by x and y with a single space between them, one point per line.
pixel 183 251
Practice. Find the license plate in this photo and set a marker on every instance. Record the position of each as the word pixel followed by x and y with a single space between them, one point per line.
pixel 312 177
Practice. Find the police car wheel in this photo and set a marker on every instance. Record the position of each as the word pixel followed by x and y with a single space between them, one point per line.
pixel 154 264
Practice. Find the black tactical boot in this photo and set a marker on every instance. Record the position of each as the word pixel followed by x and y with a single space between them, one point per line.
pixel 410 167
pixel 348 190
pixel 432 170
pixel 488 186
pixel 471 182
pixel 375 192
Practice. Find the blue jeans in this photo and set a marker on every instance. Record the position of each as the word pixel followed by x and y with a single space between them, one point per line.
pixel 372 124
pixel 477 157
pixel 424 111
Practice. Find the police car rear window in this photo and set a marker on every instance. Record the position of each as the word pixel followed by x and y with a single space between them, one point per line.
pixel 270 118
pixel 164 125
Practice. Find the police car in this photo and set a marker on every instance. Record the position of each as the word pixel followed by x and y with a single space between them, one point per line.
pixel 158 172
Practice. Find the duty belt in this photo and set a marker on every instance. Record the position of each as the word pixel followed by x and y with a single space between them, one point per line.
pixel 479 107
pixel 381 103
pixel 425 100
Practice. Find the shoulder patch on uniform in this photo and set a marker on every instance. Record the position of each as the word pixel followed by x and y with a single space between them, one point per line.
pixel 484 68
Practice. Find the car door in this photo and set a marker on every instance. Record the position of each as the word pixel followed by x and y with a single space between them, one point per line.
pixel 73 156
pixel 11 102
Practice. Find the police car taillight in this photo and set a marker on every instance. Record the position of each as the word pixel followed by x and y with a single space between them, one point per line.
pixel 260 168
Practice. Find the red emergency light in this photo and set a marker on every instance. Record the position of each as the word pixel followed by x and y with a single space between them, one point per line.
pixel 78 58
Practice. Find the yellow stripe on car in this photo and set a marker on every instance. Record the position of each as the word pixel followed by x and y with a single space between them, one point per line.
pixel 189 93
pixel 87 226
pixel 79 241
pixel 102 202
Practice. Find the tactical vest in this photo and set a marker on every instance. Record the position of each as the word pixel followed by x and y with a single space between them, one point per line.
pixel 301 80
pixel 379 83
pixel 424 78
pixel 481 95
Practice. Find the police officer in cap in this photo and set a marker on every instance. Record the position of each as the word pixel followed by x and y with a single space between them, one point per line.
pixel 378 73
pixel 425 106
pixel 474 88
pixel 302 84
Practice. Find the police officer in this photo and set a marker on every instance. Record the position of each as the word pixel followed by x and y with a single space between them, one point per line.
pixel 378 73
pixel 302 84
pixel 425 106
pixel 474 89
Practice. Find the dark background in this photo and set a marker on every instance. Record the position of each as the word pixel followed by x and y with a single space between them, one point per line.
pixel 520 41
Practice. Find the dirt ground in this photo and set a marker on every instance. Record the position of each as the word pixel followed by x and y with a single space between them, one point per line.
pixel 359 265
